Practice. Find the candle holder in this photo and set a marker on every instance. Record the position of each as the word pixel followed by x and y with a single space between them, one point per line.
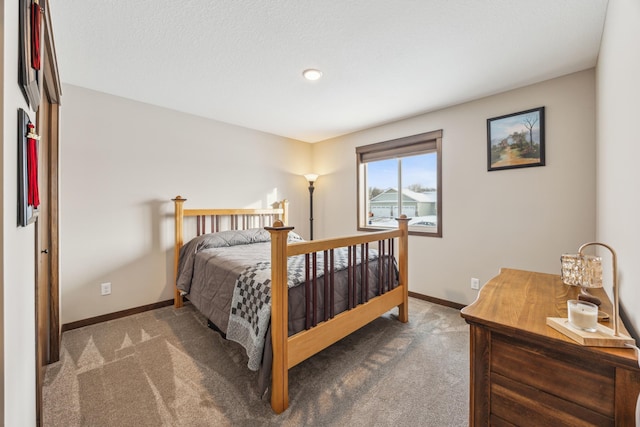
pixel 585 271
pixel 583 315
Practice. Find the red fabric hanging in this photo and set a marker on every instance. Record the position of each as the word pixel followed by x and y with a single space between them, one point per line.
pixel 33 196
pixel 36 18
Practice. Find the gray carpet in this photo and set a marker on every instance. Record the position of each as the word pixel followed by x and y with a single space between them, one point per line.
pixel 166 368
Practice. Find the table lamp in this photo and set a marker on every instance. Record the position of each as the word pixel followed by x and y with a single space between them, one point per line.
pixel 585 271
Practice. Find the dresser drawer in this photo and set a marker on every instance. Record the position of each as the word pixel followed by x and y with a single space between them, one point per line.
pixel 555 377
pixel 514 403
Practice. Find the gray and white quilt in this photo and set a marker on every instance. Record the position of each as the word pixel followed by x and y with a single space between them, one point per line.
pixel 227 277
pixel 251 303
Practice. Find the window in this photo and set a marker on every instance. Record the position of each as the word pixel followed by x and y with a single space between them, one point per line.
pixel 401 176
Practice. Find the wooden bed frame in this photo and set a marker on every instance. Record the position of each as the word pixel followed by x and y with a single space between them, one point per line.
pixel 288 351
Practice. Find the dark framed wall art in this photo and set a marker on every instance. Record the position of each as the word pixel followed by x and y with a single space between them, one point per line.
pixel 28 195
pixel 29 74
pixel 516 140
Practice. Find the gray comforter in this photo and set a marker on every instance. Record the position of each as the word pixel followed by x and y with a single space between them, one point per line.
pixel 210 264
pixel 214 267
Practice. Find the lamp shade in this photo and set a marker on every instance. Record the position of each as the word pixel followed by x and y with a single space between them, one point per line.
pixel 581 270
pixel 311 177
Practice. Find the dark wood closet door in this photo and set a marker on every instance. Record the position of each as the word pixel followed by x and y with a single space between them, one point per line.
pixel 47 223
pixel 43 239
pixel 47 247
pixel 43 260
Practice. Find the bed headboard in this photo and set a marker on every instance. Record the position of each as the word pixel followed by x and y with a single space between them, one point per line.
pixel 219 220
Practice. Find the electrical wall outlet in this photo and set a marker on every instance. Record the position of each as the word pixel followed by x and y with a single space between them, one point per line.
pixel 105 288
pixel 475 283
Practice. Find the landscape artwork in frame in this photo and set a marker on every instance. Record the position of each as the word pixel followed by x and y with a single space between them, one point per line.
pixel 516 140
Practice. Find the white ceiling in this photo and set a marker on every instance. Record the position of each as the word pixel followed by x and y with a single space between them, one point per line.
pixel 241 61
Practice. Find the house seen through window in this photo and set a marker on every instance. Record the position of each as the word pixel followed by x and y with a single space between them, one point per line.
pixel 401 176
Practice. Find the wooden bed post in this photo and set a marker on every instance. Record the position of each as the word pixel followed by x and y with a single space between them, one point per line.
pixel 279 317
pixel 403 267
pixel 179 212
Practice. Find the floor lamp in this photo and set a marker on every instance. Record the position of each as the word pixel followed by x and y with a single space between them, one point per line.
pixel 311 177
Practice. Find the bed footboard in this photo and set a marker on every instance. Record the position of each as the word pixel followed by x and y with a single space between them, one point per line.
pixel 289 351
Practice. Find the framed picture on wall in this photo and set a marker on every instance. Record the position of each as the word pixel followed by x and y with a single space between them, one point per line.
pixel 516 140
pixel 30 38
pixel 28 198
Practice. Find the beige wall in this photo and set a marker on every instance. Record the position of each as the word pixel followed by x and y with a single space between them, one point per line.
pixel 122 162
pixel 17 275
pixel 521 218
pixel 618 94
pixel 119 158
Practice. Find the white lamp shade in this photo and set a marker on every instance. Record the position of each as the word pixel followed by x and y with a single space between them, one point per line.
pixel 311 177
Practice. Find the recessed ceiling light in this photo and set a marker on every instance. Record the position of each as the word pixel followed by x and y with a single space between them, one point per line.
pixel 312 74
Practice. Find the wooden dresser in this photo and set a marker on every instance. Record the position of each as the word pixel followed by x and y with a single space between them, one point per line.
pixel 526 373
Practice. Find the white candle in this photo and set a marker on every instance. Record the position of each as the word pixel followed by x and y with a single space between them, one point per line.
pixel 583 315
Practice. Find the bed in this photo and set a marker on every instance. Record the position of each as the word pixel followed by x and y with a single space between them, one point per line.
pixel 284 299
